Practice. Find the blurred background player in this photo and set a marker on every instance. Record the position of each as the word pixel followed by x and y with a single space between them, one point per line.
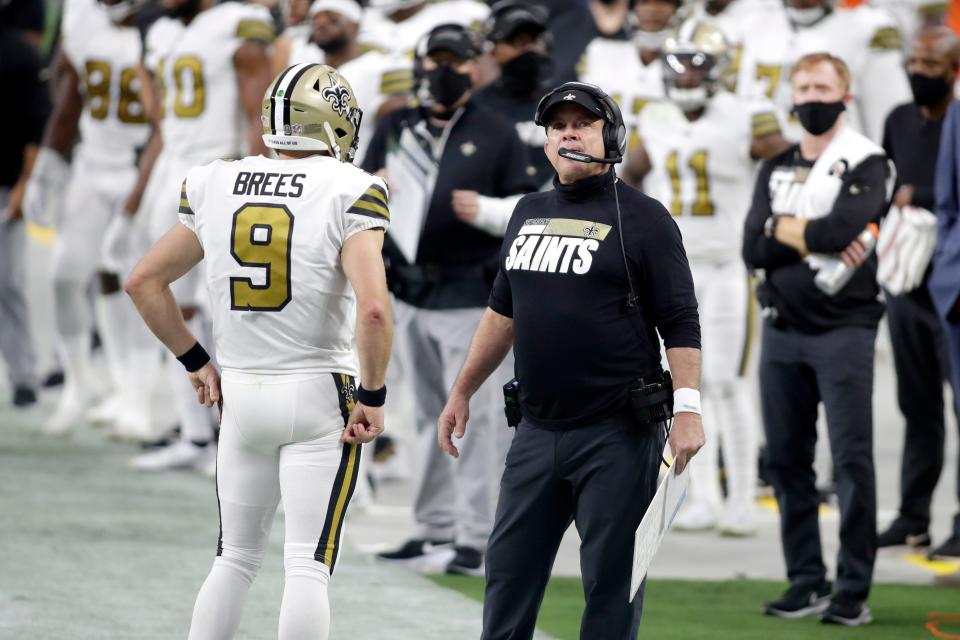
pixel 294 418
pixel 698 155
pixel 520 43
pixel 631 70
pixel 20 71
pixel 398 25
pixel 865 38
pixel 210 67
pixel 97 96
pixel 381 81
pixel 441 270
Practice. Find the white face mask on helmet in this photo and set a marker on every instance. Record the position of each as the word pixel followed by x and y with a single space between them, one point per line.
pixel 122 10
pixel 689 99
pixel 806 17
pixel 650 40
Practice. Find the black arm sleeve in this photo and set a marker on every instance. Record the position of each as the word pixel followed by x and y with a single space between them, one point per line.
pixel 862 199
pixel 375 158
pixel 668 285
pixel 759 251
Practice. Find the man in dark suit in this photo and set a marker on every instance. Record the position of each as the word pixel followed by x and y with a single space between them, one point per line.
pixel 944 282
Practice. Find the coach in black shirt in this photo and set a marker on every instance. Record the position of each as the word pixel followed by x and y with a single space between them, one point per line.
pixel 911 138
pixel 583 330
pixel 810 204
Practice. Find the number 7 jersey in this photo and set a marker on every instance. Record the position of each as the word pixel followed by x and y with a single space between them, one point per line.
pixel 272 232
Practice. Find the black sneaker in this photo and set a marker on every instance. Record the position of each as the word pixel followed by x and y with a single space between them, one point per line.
pixel 467 562
pixel 54 379
pixel 900 533
pixel 413 550
pixel 846 610
pixel 24 397
pixel 949 550
pixel 800 600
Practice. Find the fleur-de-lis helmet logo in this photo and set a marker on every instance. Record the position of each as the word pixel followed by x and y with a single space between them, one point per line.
pixel 337 95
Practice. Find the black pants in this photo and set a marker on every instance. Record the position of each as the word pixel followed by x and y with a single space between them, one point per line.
pixel 920 357
pixel 602 477
pixel 797 372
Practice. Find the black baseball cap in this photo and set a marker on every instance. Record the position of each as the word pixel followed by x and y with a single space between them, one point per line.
pixel 578 93
pixel 452 37
pixel 510 16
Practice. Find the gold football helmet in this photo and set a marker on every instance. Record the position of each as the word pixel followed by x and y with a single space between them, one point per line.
pixel 311 107
pixel 697 63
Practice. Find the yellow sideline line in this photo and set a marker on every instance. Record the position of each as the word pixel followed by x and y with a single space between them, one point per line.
pixel 770 504
pixel 936 567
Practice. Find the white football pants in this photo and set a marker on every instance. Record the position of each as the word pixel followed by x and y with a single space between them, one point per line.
pixel 279 439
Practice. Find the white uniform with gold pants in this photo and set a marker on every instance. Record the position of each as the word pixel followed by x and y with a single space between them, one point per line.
pixel 283 316
pixel 703 173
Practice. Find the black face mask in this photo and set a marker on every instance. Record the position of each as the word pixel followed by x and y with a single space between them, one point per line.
pixel 525 73
pixel 818 117
pixel 927 90
pixel 445 85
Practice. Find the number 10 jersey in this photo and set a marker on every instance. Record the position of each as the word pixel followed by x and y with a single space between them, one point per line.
pixel 272 232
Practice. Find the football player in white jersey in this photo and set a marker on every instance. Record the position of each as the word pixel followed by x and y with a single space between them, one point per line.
pixel 382 81
pixel 398 25
pixel 292 247
pixel 864 37
pixel 631 70
pixel 97 97
pixel 211 67
pixel 699 154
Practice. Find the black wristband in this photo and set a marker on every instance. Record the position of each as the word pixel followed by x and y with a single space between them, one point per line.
pixel 195 357
pixel 371 398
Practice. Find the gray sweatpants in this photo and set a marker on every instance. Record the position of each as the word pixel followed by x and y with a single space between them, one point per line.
pixel 16 345
pixel 454 498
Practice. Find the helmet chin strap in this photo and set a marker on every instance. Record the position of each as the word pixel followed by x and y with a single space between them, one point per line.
pixel 331 136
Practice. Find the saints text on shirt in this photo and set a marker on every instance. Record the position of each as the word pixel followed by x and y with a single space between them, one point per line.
pixel 556 245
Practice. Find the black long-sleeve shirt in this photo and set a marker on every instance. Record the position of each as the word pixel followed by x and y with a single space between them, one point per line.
pixel 563 281
pixel 912 142
pixel 789 285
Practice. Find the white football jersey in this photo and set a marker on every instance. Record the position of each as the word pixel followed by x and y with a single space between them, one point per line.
pixel 615 66
pixel 194 64
pixel 378 31
pixel 865 38
pixel 113 123
pixel 702 171
pixel 374 76
pixel 272 231
pixel 910 15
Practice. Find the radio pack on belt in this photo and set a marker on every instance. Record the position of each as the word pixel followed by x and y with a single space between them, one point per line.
pixel 651 398
pixel 511 402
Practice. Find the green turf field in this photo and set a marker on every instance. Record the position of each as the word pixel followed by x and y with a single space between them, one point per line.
pixel 694 610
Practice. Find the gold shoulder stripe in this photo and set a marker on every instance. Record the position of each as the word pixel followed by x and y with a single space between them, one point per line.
pixel 396 82
pixel 377 192
pixel 932 9
pixel 184 202
pixel 764 124
pixel 581 66
pixel 364 207
pixel 366 47
pixel 255 30
pixel 886 38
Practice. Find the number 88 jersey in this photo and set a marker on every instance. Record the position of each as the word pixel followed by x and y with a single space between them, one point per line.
pixel 701 170
pixel 105 56
pixel 196 74
pixel 272 232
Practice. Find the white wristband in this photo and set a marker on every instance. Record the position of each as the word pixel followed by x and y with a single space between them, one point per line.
pixel 686 400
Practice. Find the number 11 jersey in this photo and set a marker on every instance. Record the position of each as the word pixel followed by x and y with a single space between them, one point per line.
pixel 272 232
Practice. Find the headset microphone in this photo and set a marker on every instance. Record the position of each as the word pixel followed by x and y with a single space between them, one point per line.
pixel 582 157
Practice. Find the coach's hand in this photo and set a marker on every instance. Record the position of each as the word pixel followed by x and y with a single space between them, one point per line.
pixel 364 424
pixel 686 438
pixel 206 381
pixel 453 422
